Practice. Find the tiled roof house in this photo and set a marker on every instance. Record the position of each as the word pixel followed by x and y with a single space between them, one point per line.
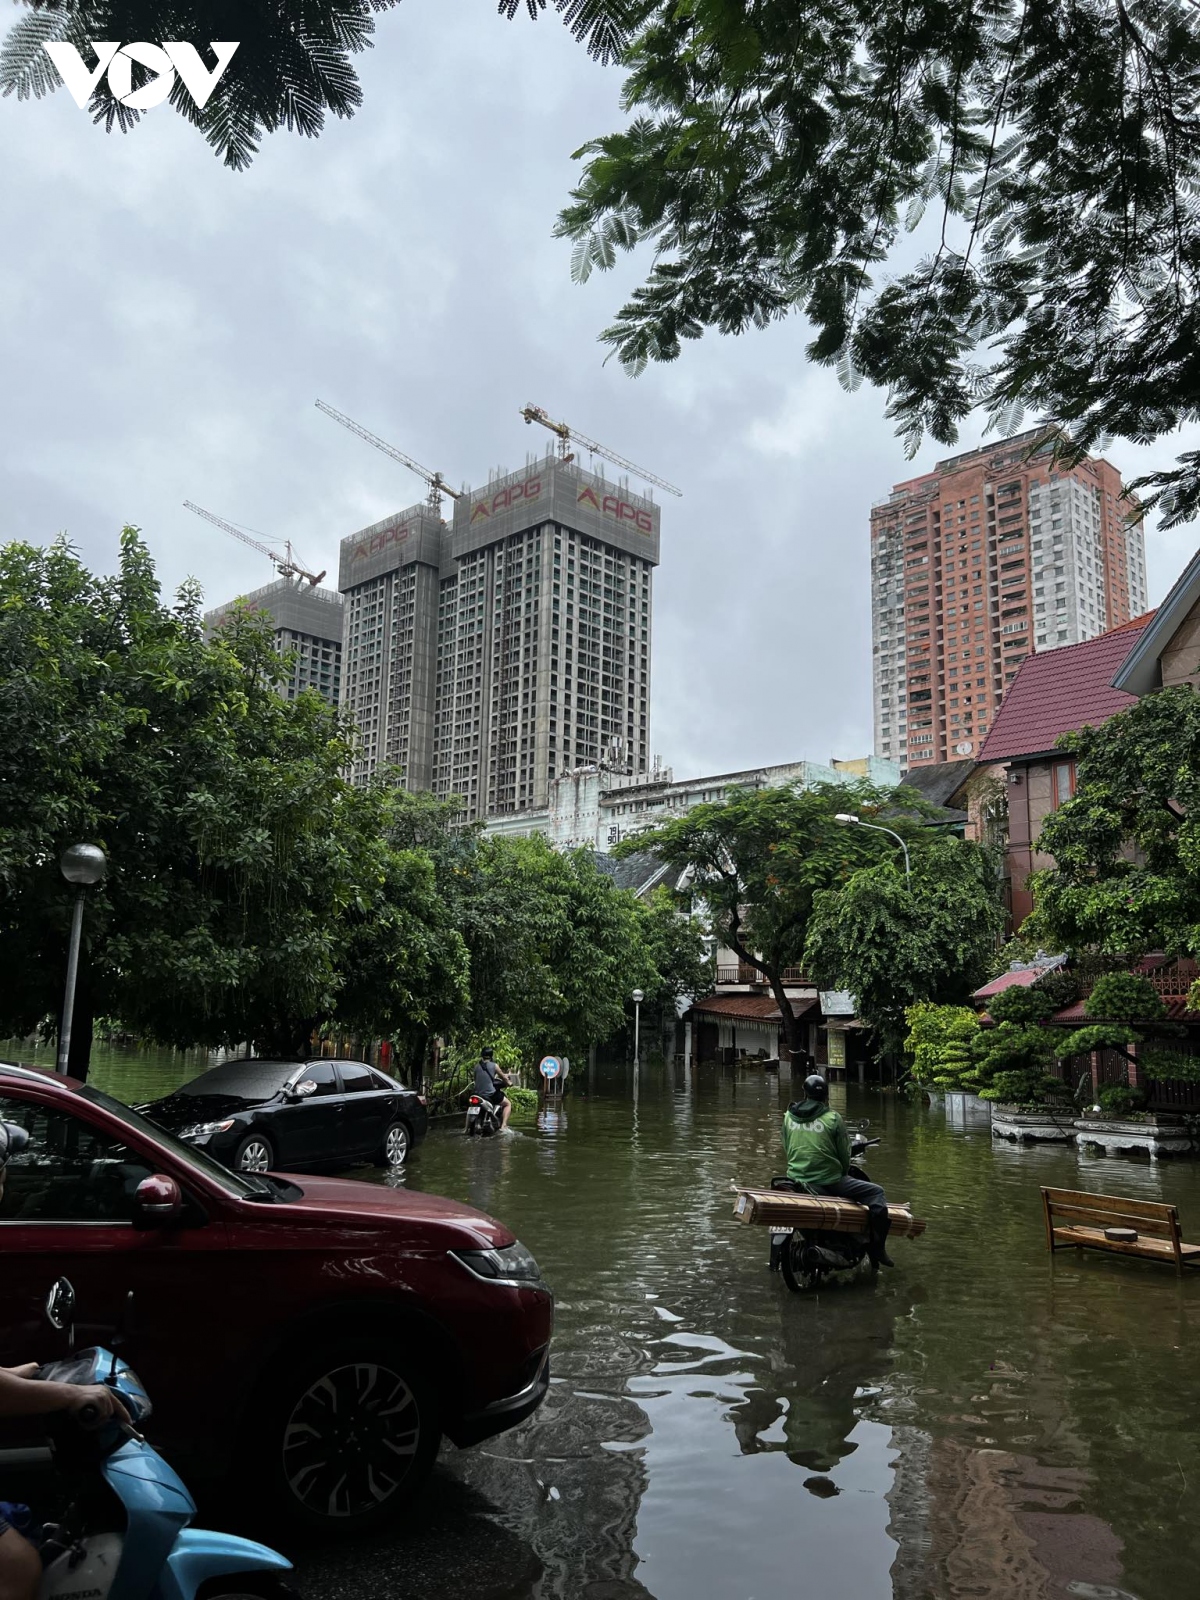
pixel 1056 692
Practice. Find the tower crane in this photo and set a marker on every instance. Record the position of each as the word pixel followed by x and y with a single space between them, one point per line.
pixel 437 484
pixel 567 434
pixel 287 565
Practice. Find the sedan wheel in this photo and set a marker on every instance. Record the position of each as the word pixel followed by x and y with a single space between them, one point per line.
pixel 395 1145
pixel 254 1154
pixel 359 1433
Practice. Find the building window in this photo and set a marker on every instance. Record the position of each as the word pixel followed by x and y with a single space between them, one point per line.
pixel 1064 782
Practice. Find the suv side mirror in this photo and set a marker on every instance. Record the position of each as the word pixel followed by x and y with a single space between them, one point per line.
pixel 157 1202
pixel 60 1305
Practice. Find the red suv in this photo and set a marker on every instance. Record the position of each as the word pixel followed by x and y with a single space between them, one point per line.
pixel 310 1337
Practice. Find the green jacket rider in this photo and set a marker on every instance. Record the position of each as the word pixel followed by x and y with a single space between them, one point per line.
pixel 815 1142
pixel 818 1158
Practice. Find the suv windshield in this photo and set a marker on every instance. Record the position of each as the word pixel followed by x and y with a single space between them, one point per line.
pixel 243 1185
pixel 242 1080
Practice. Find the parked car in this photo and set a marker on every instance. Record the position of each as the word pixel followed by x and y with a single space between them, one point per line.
pixel 303 1116
pixel 307 1339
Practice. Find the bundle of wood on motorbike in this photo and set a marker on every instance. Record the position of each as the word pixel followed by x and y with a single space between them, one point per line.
pixel 778 1208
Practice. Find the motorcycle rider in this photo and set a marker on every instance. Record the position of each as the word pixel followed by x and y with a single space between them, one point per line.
pixel 818 1158
pixel 490 1084
pixel 22 1396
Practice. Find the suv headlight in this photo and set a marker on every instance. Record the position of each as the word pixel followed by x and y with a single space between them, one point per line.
pixel 513 1264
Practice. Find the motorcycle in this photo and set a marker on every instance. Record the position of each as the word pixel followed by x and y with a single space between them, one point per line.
pixel 483 1118
pixel 122 1529
pixel 807 1255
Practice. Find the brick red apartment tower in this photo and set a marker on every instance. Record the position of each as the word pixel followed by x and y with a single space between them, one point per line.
pixel 994 554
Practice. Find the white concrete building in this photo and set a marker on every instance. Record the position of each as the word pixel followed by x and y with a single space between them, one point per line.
pixel 596 807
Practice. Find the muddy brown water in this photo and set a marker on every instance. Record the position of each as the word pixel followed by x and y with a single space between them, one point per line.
pixel 978 1422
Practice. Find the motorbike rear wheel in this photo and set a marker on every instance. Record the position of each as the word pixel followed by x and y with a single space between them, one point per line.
pixel 796 1275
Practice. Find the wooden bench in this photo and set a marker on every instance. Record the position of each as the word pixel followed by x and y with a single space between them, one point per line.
pixel 1077 1220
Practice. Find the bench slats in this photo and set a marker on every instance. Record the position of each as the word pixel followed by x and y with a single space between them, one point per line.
pixel 1115 1202
pixel 1075 1219
pixel 1094 1238
pixel 1113 1217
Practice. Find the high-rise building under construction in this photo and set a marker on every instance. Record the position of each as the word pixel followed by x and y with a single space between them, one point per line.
pixel 485 657
pixel 307 624
pixel 995 553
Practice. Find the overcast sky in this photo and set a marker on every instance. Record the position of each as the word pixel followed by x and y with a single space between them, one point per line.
pixel 166 325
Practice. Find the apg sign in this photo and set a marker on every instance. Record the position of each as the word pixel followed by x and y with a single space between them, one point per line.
pixel 167 61
pixel 531 489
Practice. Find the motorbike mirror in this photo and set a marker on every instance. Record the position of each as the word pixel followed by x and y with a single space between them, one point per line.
pixel 157 1202
pixel 60 1305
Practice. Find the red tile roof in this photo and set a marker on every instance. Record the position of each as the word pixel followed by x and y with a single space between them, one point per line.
pixel 748 1005
pixel 1077 1016
pixel 1058 691
pixel 1008 980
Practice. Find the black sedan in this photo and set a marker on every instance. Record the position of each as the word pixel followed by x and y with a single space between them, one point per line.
pixel 294 1116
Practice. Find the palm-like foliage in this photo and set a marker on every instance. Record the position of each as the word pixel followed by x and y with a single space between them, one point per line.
pixel 294 65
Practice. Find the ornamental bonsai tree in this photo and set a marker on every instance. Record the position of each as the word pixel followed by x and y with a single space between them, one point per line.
pixel 1129 1011
pixel 1012 1059
pixel 939 1043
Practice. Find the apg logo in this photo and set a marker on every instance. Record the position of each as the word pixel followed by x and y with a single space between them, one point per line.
pixel 117 60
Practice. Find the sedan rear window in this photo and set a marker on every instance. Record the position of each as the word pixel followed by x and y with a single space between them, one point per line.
pixel 242 1080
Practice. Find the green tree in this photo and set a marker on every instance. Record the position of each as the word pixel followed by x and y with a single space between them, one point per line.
pixel 679 953
pixel 1013 1058
pixel 528 916
pixel 1046 159
pixel 938 1044
pixel 757 860
pixel 1128 1011
pixel 251 893
pixel 294 62
pixel 556 948
pixel 1126 846
pixel 894 941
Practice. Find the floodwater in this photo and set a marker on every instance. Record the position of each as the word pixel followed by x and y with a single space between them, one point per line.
pixel 977 1422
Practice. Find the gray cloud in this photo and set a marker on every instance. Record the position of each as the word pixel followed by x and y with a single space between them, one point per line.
pixel 166 325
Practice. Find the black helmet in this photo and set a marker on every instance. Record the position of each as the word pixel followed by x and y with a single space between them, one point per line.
pixel 12 1141
pixel 816 1088
pixel 486 1052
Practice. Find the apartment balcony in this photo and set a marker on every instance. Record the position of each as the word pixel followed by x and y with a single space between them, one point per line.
pixel 743 973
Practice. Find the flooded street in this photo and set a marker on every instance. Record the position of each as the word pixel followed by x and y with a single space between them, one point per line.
pixel 976 1423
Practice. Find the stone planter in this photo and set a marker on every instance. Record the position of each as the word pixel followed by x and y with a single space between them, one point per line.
pixel 965 1110
pixel 1032 1127
pixel 1159 1135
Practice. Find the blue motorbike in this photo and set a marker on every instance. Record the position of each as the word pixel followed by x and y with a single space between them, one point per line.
pixel 123 1531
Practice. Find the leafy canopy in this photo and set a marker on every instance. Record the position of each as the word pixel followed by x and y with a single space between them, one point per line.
pixel 1126 846
pixel 1046 159
pixel 894 941
pixel 251 893
pixel 292 68
pixel 756 861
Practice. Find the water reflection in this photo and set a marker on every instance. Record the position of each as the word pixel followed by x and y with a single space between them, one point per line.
pixel 979 1422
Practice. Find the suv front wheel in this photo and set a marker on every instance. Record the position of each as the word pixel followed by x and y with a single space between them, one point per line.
pixel 352 1434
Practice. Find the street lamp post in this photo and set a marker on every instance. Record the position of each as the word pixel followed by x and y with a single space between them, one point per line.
pixel 637 998
pixel 82 864
pixel 848 819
